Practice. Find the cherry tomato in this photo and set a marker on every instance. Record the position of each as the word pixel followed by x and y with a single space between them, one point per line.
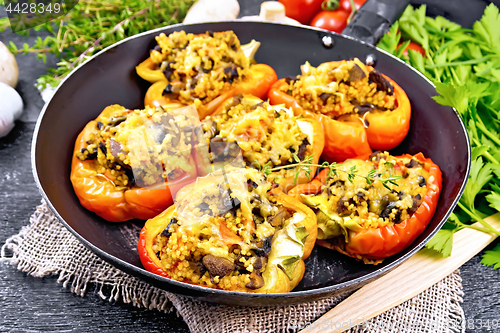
pixel 331 20
pixel 346 4
pixel 302 10
pixel 415 47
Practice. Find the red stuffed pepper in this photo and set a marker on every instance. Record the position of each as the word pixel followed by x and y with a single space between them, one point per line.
pixel 360 109
pixel 203 70
pixel 128 163
pixel 231 231
pixel 372 219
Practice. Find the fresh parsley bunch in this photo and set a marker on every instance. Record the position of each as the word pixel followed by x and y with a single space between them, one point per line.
pixel 464 64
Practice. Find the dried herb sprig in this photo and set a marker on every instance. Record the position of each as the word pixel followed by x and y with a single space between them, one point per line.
pixel 93 25
pixel 306 166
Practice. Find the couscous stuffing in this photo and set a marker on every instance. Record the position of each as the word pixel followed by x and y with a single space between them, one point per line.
pixel 267 135
pixel 200 67
pixel 221 235
pixel 341 88
pixel 353 202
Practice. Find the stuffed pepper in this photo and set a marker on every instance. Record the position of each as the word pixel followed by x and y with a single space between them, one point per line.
pixel 127 163
pixel 231 231
pixel 269 137
pixel 372 209
pixel 360 108
pixel 203 70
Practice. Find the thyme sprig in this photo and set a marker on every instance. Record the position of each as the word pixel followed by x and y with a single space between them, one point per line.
pixel 93 25
pixel 307 164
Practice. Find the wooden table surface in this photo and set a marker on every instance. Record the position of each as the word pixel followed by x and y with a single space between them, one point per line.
pixel 31 304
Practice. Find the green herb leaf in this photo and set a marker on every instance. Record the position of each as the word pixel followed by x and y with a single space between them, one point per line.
pixel 93 25
pixel 492 257
pixel 480 175
pixel 442 242
pixel 494 197
pixel 488 28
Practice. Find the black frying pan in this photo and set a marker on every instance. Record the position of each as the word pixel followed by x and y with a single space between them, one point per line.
pixel 109 78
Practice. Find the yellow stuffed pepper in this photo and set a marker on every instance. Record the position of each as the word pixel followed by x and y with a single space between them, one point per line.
pixel 203 70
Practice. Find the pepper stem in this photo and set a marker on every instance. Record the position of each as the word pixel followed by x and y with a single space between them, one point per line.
pixel 353 11
pixel 330 4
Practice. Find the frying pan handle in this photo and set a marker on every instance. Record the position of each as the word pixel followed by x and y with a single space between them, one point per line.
pixel 374 19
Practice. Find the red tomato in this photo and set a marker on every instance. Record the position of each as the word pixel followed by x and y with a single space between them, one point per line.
pixel 346 4
pixel 415 47
pixel 302 10
pixel 331 20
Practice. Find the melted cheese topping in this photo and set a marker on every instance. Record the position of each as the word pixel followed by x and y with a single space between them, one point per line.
pixel 339 88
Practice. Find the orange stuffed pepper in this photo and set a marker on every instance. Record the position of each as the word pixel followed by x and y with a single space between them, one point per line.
pixel 231 231
pixel 360 109
pixel 372 219
pixel 203 70
pixel 128 163
pixel 270 137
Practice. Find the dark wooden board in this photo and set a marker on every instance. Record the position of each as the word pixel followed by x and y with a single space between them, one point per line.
pixel 31 304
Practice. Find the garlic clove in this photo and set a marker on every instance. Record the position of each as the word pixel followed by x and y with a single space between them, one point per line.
pixel 11 107
pixel 9 72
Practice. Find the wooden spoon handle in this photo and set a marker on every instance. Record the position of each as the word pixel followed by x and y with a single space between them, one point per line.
pixel 418 273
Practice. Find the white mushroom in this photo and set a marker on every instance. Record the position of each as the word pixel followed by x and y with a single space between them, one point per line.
pixel 11 107
pixel 9 73
pixel 271 11
pixel 212 10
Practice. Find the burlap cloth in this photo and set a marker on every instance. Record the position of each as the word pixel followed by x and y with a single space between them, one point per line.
pixel 45 247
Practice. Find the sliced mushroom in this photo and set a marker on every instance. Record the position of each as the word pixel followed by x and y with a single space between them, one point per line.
pixel 115 121
pixel 115 148
pixel 421 181
pixel 263 247
pixel 256 280
pixel 417 200
pixel 356 73
pixel 197 267
pixel 260 262
pixel 382 83
pixel 166 232
pixel 277 219
pixel 375 156
pixel 168 71
pixel 103 148
pixel 413 163
pixel 226 203
pixel 92 155
pixel 238 264
pixel 210 127
pixel 341 207
pixel 364 108
pixel 255 106
pixel 130 174
pixel 217 266
pixel 324 97
pixel 302 149
pixel 388 209
pixel 210 66
pixel 252 184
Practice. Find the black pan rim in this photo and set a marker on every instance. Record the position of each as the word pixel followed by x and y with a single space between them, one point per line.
pixel 291 296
